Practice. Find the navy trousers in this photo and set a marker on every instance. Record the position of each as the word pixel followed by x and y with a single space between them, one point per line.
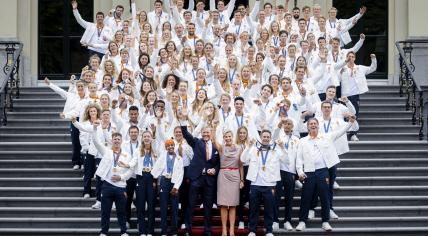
pixel 257 193
pixel 145 194
pixel 75 143
pixel 88 174
pixel 316 183
pixel 244 196
pixel 130 189
pixel 285 188
pixel 166 198
pixel 198 186
pixel 110 194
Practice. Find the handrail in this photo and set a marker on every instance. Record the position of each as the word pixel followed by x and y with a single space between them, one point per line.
pixel 9 85
pixel 408 85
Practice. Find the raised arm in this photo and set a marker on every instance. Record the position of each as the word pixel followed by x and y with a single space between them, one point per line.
pixel 359 44
pixel 78 17
pixel 100 147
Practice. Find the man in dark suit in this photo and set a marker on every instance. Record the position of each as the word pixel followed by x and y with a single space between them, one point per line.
pixel 202 173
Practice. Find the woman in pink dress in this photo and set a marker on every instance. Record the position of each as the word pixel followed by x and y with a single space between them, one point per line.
pixel 229 181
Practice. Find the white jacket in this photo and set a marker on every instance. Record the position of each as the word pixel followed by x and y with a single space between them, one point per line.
pixel 305 159
pixel 356 75
pixel 177 171
pixel 106 164
pixel 252 156
pixel 89 36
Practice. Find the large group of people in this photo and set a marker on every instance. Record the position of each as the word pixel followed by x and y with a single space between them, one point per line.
pixel 225 107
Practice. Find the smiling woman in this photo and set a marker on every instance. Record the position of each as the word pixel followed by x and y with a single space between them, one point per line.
pixel 60 52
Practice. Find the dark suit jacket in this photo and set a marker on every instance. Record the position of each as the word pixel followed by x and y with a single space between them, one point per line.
pixel 199 162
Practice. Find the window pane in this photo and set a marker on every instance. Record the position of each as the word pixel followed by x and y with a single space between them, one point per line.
pixel 373 22
pixel 51 56
pixel 79 56
pixel 51 17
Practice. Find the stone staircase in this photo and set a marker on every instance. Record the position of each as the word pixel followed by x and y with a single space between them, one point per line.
pixel 384 188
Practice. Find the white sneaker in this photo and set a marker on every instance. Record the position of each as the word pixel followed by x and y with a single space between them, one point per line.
pixel 298 184
pixel 269 234
pixel 86 196
pixel 241 225
pixel 128 225
pixel 214 206
pixel 354 138
pixel 301 226
pixel 124 234
pixel 179 206
pixel 142 235
pixel 103 234
pixel 311 214
pixel 336 186
pixel 202 206
pixel 76 167
pixel 252 234
pixel 113 206
pixel 275 225
pixel 183 226
pixel 97 205
pixel 133 207
pixel 288 226
pixel 82 167
pixel 326 226
pixel 247 205
pixel 149 235
pixel 333 215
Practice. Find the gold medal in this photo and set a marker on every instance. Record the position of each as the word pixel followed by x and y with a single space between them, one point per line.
pixel 106 144
pixel 263 168
pixel 114 169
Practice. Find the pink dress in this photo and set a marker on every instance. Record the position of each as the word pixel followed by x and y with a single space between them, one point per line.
pixel 228 177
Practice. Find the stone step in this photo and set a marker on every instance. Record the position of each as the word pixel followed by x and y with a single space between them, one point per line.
pixel 39 94
pixel 382 171
pixel 375 88
pixel 40 101
pixel 388 136
pixel 36 130
pixel 369 128
pixel 346 211
pixel 344 191
pixel 358 231
pixel 42 88
pixel 34 155
pixel 38 122
pixel 382 180
pixel 386 114
pixel 385 162
pixel 391 145
pixel 385 121
pixel 39 108
pixel 33 115
pixel 338 201
pixel 382 107
pixel 84 222
pixel 63 163
pixel 33 137
pixel 382 153
pixel 383 100
pixel 42 172
pixel 36 146
pixel 380 94
pixel 346 181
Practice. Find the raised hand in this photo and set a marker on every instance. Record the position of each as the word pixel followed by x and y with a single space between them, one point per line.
pixel 74 4
pixel 47 81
